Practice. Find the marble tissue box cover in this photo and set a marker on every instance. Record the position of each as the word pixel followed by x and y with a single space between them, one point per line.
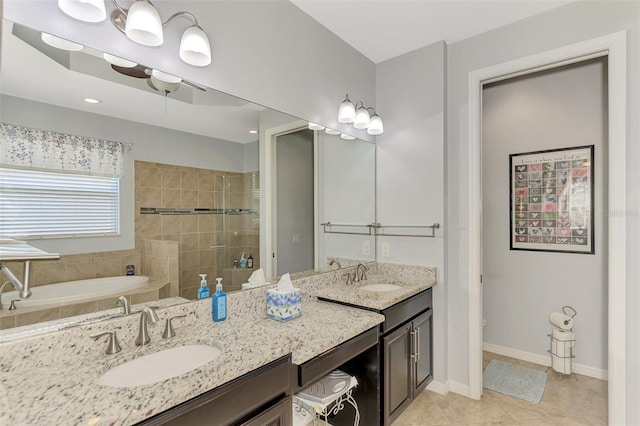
pixel 284 306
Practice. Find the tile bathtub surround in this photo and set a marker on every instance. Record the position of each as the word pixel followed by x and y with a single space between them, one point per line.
pixel 168 186
pixel 77 267
pixel 69 362
pixel 160 261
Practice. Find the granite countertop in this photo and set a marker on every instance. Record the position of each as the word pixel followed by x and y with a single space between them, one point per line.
pixel 53 382
pixel 351 294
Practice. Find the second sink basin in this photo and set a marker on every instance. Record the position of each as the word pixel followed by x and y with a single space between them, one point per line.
pixel 379 287
pixel 159 366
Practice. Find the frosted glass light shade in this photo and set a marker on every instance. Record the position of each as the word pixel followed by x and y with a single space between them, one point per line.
pixel 375 125
pixel 84 10
pixel 331 131
pixel 118 61
pixel 166 77
pixel 195 48
pixel 60 43
pixel 143 24
pixel 362 119
pixel 347 137
pixel 346 111
pixel 314 126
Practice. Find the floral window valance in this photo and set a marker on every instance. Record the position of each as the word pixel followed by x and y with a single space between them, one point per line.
pixel 22 147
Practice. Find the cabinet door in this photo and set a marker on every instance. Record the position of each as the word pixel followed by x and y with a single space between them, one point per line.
pixel 422 328
pixel 397 382
pixel 278 415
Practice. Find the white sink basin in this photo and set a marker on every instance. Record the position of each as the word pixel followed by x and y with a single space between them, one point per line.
pixel 379 287
pixel 159 366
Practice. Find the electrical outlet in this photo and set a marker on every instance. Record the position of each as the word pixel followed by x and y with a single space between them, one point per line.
pixel 366 248
pixel 386 250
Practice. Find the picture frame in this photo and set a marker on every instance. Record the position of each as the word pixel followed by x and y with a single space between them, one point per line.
pixel 551 200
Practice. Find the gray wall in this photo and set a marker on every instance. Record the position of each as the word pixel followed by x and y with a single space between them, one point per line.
pixel 573 23
pixel 150 143
pixel 553 109
pixel 295 206
pixel 410 90
pixel 269 52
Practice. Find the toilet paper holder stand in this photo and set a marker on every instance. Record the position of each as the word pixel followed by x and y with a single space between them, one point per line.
pixel 562 350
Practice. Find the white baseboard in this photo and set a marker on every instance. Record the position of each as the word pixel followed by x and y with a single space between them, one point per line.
pixel 438 387
pixel 545 360
pixel 459 388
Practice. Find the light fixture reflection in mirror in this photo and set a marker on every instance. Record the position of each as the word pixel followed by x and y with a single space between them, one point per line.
pixel 141 23
pixel 60 43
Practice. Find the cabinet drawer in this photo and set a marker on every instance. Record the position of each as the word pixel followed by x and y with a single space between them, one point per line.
pixel 317 367
pixel 404 311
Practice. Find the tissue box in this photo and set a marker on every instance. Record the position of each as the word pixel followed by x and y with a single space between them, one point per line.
pixel 284 306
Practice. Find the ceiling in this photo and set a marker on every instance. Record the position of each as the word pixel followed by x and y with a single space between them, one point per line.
pixel 383 29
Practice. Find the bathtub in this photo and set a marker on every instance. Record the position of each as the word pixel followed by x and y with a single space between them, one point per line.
pixel 76 291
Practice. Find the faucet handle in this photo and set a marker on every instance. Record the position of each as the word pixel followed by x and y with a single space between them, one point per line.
pixel 12 306
pixel 348 277
pixel 113 346
pixel 168 328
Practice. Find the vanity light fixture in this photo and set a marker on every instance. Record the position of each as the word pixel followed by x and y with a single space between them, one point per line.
pixel 359 116
pixel 347 137
pixel 253 132
pixel 60 43
pixel 314 126
pixel 118 61
pixel 92 100
pixel 331 131
pixel 142 24
pixel 84 10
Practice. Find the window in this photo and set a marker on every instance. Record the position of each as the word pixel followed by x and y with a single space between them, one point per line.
pixel 37 204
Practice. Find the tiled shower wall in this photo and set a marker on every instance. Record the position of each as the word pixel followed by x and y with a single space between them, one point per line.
pixel 208 242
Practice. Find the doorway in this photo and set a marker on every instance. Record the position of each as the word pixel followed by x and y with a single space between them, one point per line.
pixel 614 47
pixel 523 282
pixel 294 202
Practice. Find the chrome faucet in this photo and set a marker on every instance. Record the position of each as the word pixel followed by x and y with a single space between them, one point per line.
pixel 148 314
pixel 333 261
pixel 361 273
pixel 126 309
pixel 1 290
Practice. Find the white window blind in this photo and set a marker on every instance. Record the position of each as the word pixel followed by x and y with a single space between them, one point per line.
pixel 35 204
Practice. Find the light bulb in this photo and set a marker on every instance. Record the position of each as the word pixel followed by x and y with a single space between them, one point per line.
pixel 143 24
pixel 346 112
pixel 195 48
pixel 362 118
pixel 375 125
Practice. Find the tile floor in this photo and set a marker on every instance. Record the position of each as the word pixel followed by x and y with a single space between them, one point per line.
pixel 568 401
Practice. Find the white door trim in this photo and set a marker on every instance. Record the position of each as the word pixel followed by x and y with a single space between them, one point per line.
pixel 268 192
pixel 613 46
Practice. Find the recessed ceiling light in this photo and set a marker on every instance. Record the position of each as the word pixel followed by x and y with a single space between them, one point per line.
pixel 253 132
pixel 92 101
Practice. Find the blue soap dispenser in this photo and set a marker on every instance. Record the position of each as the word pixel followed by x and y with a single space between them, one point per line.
pixel 203 291
pixel 219 303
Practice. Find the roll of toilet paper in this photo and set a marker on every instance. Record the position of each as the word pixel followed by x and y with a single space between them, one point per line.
pixel 561 320
pixel 561 353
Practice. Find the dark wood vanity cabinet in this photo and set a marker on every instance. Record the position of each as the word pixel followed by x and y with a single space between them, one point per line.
pixel 259 398
pixel 406 354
